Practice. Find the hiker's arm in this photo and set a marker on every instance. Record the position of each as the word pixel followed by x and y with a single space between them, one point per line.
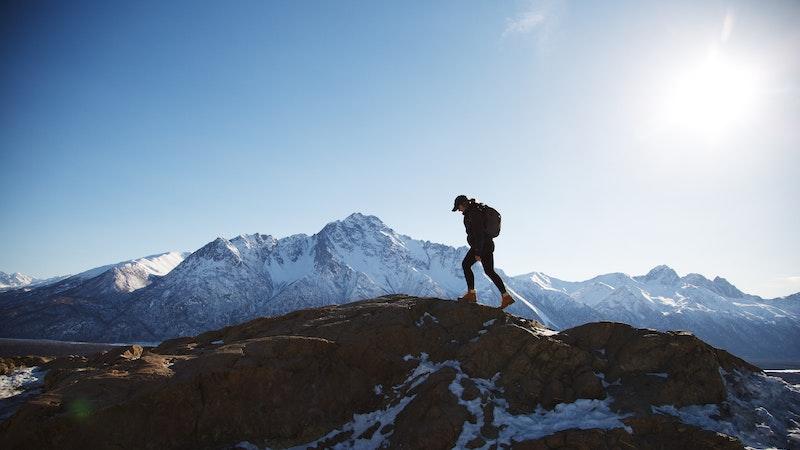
pixel 475 234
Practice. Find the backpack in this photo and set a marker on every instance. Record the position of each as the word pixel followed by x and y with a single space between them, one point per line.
pixel 491 221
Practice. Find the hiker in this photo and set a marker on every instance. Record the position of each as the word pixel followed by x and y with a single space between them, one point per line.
pixel 481 247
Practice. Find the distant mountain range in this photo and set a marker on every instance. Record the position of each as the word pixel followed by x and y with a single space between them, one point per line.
pixel 18 280
pixel 230 281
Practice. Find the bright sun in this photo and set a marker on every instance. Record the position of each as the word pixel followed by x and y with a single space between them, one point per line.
pixel 710 98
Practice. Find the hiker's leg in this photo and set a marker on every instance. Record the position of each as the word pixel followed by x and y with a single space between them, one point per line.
pixel 466 264
pixel 487 259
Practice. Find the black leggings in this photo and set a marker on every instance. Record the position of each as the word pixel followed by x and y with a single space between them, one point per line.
pixel 487 259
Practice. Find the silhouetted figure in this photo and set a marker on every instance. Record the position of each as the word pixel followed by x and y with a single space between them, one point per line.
pixel 482 224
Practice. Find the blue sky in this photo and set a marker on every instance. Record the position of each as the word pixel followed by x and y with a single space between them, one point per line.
pixel 599 131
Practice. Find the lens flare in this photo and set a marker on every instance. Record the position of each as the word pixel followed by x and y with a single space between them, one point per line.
pixel 710 98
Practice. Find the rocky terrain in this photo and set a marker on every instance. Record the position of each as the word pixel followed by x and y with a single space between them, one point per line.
pixel 408 372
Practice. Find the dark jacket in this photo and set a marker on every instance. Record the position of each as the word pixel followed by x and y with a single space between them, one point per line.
pixel 476 231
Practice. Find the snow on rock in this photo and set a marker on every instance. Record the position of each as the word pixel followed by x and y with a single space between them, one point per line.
pixel 20 380
pixel 580 414
pixel 424 317
pixel 17 387
pixel 761 411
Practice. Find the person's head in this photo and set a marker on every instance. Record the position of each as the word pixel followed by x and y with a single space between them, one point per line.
pixel 461 202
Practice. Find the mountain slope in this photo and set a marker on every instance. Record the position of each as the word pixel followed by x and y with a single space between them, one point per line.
pixel 359 257
pixel 715 311
pixel 76 307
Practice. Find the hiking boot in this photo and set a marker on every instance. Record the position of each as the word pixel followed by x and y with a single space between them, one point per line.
pixel 469 297
pixel 507 300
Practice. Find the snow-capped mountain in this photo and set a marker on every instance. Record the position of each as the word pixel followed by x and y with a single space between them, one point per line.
pixel 81 306
pixel 714 310
pixel 14 280
pixel 230 281
pixel 128 276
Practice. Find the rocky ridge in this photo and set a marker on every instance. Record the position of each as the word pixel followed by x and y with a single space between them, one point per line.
pixel 408 372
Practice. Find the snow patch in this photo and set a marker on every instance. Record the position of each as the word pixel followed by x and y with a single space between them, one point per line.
pixel 583 414
pixel 605 383
pixel 19 381
pixel 658 374
pixel 761 411
pixel 421 321
pixel 17 387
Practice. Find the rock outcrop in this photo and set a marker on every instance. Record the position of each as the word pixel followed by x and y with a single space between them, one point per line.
pixel 405 372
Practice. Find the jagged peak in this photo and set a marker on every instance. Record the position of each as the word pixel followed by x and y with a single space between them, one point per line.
pixel 660 269
pixel 612 277
pixel 254 239
pixel 725 288
pixel 367 223
pixel 217 249
pixel 358 218
pixel 690 277
pixel 661 272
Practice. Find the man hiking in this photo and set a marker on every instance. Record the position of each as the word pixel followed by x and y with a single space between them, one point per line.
pixel 481 247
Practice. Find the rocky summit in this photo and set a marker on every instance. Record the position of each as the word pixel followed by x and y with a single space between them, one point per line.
pixel 408 372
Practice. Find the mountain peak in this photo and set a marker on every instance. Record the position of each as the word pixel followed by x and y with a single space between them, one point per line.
pixel 15 280
pixel 696 278
pixel 218 249
pixel 662 273
pixel 252 240
pixel 363 219
pixel 725 288
pixel 352 225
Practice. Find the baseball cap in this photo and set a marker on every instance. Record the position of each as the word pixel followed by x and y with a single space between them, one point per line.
pixel 459 200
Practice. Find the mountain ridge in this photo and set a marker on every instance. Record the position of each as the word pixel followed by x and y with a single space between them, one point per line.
pixel 358 257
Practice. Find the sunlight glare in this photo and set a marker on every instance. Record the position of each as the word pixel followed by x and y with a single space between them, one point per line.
pixel 710 98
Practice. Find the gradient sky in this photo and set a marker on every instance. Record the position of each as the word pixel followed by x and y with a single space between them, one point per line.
pixel 133 128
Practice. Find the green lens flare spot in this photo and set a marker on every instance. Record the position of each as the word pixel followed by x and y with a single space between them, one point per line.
pixel 79 409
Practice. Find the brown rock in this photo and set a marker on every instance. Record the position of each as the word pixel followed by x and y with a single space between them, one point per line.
pixel 656 368
pixel 433 420
pixel 293 380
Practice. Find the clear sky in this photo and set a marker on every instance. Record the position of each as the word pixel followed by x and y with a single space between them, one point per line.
pixel 612 136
